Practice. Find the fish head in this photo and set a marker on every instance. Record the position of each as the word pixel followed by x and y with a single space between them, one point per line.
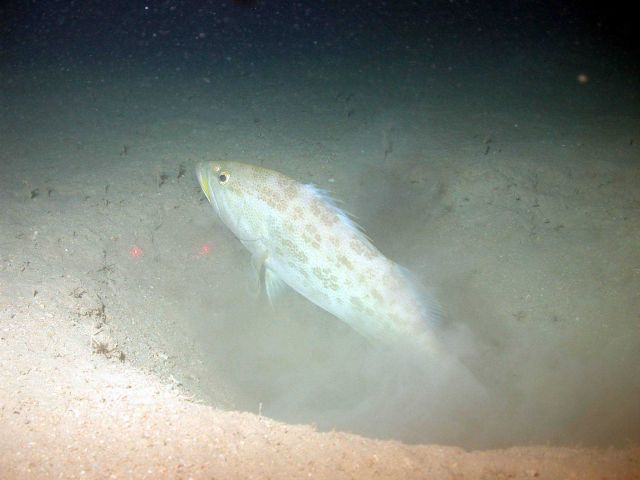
pixel 230 188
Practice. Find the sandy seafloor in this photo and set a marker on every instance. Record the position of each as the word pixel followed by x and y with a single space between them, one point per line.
pixel 512 192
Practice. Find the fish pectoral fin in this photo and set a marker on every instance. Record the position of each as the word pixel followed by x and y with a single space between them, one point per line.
pixel 274 285
pixel 258 261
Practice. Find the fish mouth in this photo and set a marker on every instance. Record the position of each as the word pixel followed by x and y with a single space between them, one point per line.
pixel 203 171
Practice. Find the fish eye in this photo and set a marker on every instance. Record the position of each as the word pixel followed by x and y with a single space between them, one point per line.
pixel 223 177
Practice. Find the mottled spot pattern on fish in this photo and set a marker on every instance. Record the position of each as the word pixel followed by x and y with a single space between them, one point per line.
pixel 298 236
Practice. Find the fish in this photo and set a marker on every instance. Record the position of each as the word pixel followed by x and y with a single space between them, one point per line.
pixel 298 237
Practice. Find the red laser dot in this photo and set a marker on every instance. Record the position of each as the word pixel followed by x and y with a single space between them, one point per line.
pixel 205 249
pixel 135 252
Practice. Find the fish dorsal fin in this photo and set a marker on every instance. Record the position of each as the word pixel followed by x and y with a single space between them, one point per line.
pixel 345 217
